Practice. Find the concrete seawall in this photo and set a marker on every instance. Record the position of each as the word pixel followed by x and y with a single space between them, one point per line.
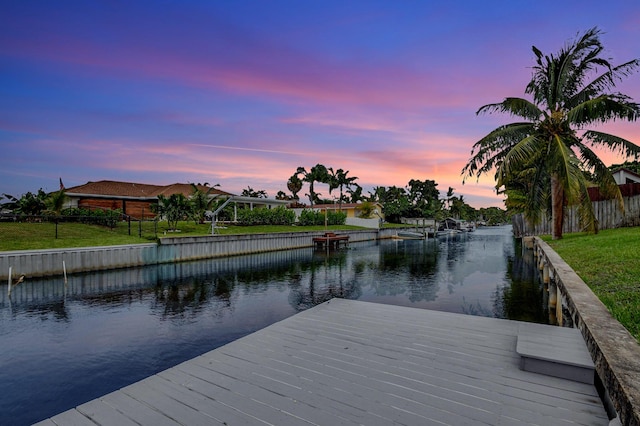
pixel 42 263
pixel 615 352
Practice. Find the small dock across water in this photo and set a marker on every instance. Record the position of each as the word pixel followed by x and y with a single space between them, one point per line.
pixel 356 363
pixel 330 241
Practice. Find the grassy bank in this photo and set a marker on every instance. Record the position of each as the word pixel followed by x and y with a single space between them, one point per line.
pixel 33 236
pixel 609 263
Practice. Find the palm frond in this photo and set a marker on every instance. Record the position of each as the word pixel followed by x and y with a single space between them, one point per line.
pixel 519 155
pixel 612 142
pixel 517 107
pixel 586 214
pixel 492 148
pixel 601 174
pixel 604 108
pixel 604 82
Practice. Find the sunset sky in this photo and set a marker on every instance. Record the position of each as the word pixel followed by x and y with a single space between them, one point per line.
pixel 241 93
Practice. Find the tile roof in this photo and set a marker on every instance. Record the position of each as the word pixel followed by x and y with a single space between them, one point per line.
pixel 139 190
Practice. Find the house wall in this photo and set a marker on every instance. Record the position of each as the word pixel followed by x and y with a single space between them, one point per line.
pixel 135 209
pixel 623 176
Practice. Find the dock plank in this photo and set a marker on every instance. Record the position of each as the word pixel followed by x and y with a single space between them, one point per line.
pixel 350 362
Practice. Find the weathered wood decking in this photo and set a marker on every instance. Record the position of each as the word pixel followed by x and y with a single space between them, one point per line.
pixel 349 362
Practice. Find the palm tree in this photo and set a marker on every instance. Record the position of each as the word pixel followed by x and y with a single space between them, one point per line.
pixel 355 193
pixel 250 192
pixel 317 173
pixel 294 184
pixel 552 146
pixel 339 180
pixel 201 201
pixel 449 197
pixel 55 201
pixel 174 208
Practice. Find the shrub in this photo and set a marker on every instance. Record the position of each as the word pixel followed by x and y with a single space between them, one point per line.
pixel 262 216
pixel 313 217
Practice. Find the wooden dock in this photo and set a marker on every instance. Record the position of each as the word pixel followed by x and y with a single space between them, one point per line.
pixel 330 241
pixel 354 363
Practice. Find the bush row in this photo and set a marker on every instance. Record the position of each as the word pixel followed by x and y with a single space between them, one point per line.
pixel 284 216
pixel 276 216
pixel 312 217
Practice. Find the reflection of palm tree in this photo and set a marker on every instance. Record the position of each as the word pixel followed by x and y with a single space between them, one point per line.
pixel 522 299
pixel 320 287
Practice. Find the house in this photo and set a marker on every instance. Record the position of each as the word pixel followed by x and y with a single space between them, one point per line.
pixel 628 182
pixel 352 210
pixel 134 199
pixel 251 203
pixel 623 176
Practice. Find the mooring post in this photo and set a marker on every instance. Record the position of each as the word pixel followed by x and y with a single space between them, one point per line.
pixel 64 270
pixel 553 295
pixel 545 273
pixel 559 306
pixel 9 283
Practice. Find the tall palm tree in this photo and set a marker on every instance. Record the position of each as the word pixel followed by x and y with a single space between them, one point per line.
pixel 317 173
pixel 552 145
pixel 294 184
pixel 339 180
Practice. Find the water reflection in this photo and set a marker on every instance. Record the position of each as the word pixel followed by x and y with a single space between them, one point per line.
pixel 103 331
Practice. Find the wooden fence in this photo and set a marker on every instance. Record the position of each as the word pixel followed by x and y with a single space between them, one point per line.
pixel 607 213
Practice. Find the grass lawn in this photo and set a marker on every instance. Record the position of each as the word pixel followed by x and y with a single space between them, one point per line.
pixel 33 236
pixel 609 263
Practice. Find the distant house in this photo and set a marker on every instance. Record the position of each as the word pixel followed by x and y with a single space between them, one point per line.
pixel 623 176
pixel 353 212
pixel 628 183
pixel 352 209
pixel 134 199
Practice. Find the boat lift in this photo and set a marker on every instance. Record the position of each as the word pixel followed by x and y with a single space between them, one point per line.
pixel 214 215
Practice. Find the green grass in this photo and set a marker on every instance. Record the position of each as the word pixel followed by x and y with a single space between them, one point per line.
pixel 609 263
pixel 33 236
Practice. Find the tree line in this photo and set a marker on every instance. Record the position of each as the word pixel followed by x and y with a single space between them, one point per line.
pixel 418 199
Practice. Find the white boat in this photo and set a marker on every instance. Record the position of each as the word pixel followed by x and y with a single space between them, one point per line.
pixel 448 232
pixel 449 227
pixel 410 235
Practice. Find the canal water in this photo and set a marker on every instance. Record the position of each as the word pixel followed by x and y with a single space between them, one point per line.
pixel 62 345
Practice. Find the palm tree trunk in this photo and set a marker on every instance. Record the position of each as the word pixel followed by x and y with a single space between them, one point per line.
pixel 557 207
pixel 312 194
